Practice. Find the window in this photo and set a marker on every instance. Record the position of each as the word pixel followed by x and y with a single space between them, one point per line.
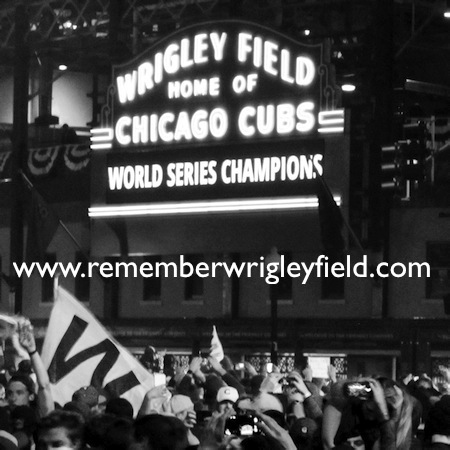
pixel 438 257
pixel 152 285
pixel 82 284
pixel 47 280
pixel 193 288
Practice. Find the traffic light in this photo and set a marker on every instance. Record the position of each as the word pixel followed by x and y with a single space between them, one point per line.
pixel 413 151
pixel 390 169
pixel 403 162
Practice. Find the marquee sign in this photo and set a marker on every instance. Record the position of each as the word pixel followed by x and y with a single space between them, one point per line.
pixel 217 110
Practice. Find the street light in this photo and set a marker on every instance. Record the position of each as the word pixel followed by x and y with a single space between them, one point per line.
pixel 274 258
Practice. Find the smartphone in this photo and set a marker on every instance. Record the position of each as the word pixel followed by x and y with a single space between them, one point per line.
pixel 358 389
pixel 269 367
pixel 242 425
pixel 205 366
pixel 239 366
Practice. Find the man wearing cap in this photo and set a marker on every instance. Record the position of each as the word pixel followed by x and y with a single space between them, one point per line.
pixel 181 406
pixel 226 397
pixel 87 395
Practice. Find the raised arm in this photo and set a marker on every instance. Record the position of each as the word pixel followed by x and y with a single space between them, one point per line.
pixel 229 379
pixel 330 425
pixel 45 401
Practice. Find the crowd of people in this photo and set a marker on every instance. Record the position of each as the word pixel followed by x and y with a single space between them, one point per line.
pixel 215 405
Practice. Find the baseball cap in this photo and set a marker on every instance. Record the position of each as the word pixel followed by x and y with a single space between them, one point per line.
pixel 180 403
pixel 227 394
pixel 302 432
pixel 86 394
pixel 78 407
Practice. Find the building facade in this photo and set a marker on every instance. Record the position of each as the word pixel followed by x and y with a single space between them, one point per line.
pixel 193 113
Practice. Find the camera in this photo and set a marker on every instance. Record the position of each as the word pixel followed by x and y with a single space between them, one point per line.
pixel 358 389
pixel 287 382
pixel 242 425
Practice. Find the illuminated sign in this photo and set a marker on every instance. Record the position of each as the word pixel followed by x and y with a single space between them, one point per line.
pixel 217 110
pixel 217 206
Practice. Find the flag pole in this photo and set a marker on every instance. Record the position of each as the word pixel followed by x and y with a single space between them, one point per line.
pixel 20 149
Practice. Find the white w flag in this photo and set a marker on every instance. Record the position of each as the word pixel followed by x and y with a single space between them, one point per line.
pixel 78 351
pixel 216 346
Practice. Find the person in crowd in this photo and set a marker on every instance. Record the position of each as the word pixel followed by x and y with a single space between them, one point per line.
pixel 437 425
pixel 182 408
pixel 424 391
pixel 269 434
pixel 289 411
pixel 227 376
pixel 255 384
pixel 200 383
pixel 305 433
pixel 170 367
pixel 23 425
pixel 378 410
pixel 324 384
pixel 300 400
pixel 60 429
pixel 227 396
pixel 88 395
pixel 8 441
pixel 155 401
pixel 192 383
pixel 150 359
pixel 119 407
pixel 158 432
pixel 80 408
pixel 96 428
pixel 119 435
pixel 20 389
pixel 212 430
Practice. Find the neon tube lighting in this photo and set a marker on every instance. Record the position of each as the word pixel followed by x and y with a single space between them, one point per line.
pixel 106 131
pixel 331 130
pixel 334 112
pixel 100 146
pixel 332 121
pixel 205 207
pixel 100 138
